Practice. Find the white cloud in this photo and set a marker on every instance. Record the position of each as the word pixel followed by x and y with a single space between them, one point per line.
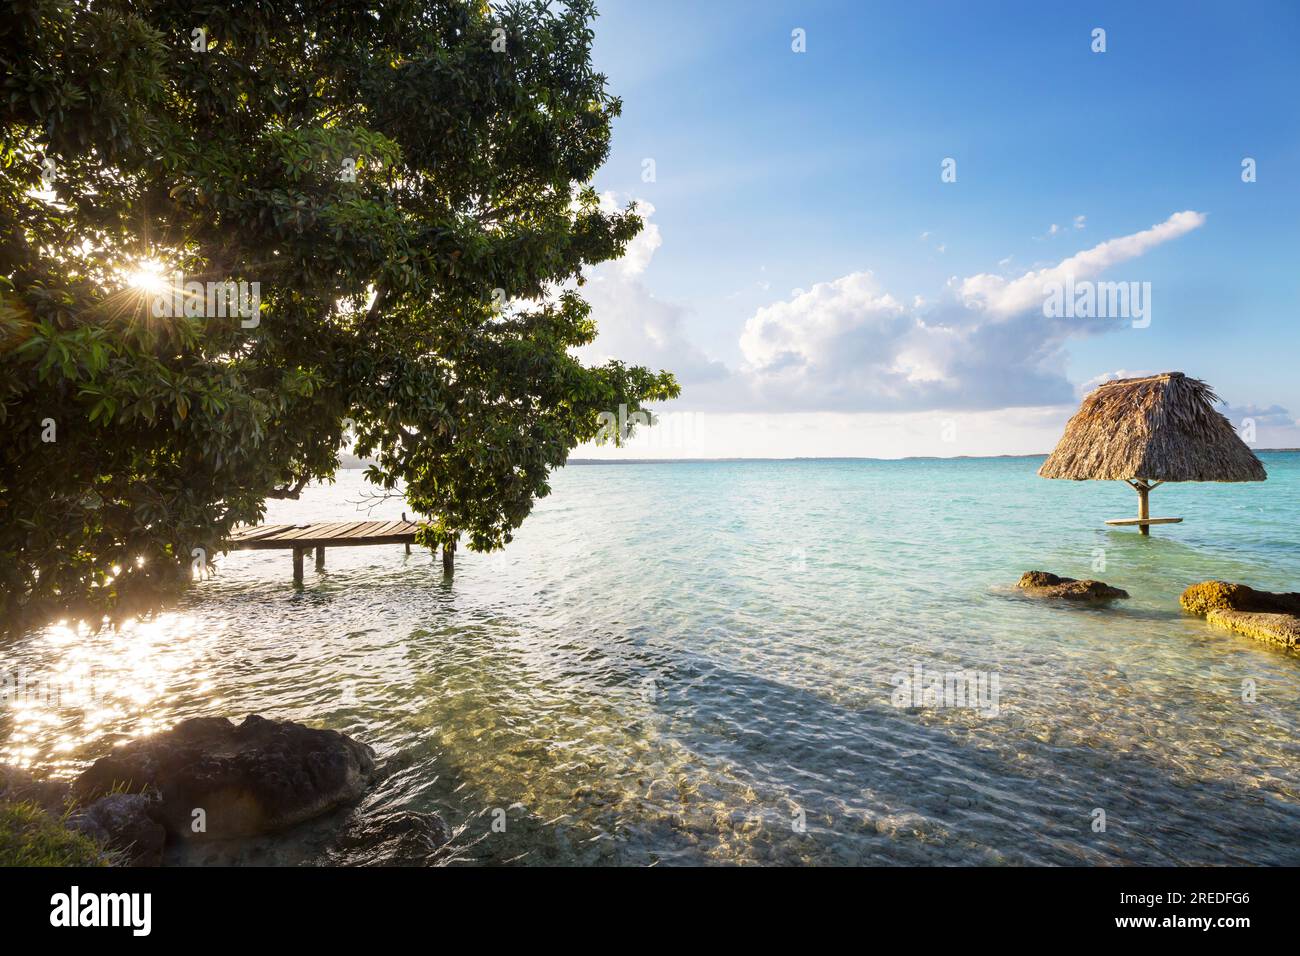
pixel 642 248
pixel 633 324
pixel 636 257
pixel 1273 426
pixel 849 345
pixel 1274 416
pixel 639 328
pixel 997 296
pixel 799 329
pixel 1091 384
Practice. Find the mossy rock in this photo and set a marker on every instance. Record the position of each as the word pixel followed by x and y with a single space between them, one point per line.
pixel 1224 596
pixel 1214 595
pixel 1263 615
pixel 1039 579
pixel 1047 584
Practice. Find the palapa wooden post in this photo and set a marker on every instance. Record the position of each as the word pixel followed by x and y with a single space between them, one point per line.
pixel 1143 488
pixel 297 565
pixel 449 557
pixel 1144 505
pixel 408 547
pixel 320 557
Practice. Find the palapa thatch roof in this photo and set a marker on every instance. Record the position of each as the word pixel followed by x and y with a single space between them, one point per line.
pixel 1160 428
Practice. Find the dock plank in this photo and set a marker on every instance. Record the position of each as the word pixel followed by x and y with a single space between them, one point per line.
pixel 330 530
pixel 324 534
pixel 394 527
pixel 310 531
pixel 364 530
pixel 254 532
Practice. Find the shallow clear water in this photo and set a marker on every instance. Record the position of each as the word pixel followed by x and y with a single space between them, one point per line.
pixel 694 663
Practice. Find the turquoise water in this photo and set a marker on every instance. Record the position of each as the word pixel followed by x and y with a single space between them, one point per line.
pixel 694 663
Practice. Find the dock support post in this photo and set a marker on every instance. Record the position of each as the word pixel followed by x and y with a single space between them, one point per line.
pixel 320 557
pixel 449 557
pixel 297 566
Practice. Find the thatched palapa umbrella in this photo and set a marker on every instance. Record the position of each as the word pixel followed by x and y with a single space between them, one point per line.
pixel 1147 431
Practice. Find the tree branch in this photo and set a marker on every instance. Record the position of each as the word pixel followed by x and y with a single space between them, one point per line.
pixel 293 492
pixel 376 308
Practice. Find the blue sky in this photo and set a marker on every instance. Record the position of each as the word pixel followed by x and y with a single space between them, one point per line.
pixel 776 171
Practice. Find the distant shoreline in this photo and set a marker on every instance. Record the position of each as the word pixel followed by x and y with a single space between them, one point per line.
pixel 687 461
pixel 352 463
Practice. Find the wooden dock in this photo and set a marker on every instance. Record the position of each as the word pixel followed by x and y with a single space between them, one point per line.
pixel 301 538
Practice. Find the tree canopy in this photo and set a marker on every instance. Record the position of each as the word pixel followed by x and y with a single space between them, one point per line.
pixel 404 185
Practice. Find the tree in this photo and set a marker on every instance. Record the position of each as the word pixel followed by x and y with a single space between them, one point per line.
pixel 402 189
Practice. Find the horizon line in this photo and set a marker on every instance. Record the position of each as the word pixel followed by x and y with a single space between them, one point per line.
pixel 364 463
pixel 684 461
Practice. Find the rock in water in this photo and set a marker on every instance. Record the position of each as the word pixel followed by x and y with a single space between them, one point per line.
pixel 1281 629
pixel 126 823
pixel 217 780
pixel 395 838
pixel 1046 584
pixel 1263 615
pixel 1209 595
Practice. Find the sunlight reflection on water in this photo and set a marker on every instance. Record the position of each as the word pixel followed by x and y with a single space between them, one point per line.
pixel 68 688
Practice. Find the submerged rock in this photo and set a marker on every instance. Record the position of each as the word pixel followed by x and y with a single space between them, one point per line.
pixel 216 780
pixel 1263 615
pixel 395 838
pixel 1046 584
pixel 126 823
pixel 1281 629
